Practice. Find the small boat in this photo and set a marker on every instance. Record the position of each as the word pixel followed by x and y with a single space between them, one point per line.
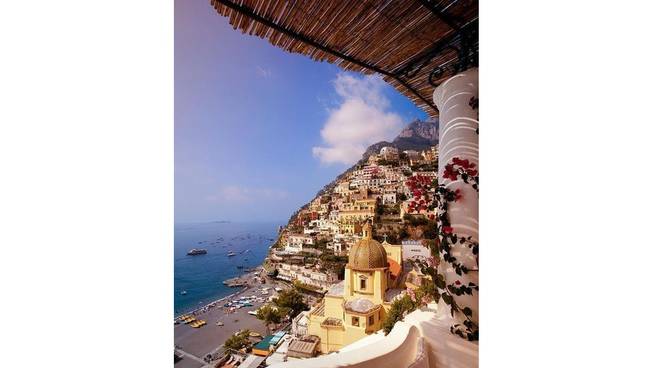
pixel 183 292
pixel 231 254
pixel 196 252
pixel 220 323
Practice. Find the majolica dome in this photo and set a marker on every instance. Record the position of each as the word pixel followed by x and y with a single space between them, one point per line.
pixel 367 253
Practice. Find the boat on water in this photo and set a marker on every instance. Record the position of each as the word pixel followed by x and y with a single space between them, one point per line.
pixel 231 254
pixel 183 292
pixel 196 252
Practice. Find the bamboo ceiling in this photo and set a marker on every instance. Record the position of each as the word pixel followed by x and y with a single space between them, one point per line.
pixel 386 37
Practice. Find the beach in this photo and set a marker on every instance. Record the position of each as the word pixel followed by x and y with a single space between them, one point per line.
pixel 198 342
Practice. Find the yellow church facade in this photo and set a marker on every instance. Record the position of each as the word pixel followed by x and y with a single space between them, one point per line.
pixel 356 307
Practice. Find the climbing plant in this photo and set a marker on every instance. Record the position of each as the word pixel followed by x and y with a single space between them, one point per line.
pixel 463 169
pixel 422 190
pixel 447 241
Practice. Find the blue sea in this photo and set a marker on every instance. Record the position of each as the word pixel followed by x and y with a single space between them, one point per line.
pixel 201 276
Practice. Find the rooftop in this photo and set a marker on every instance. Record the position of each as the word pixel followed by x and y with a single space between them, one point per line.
pixel 336 289
pixel 252 361
pixel 331 321
pixel 302 348
pixel 264 344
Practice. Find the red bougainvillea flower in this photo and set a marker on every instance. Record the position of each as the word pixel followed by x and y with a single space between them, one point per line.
pixel 451 171
pixel 450 174
pixel 457 282
pixel 447 229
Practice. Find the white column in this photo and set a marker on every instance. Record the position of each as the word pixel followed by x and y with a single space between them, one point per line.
pixel 458 124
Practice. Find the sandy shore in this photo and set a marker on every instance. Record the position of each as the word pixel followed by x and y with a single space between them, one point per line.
pixel 204 340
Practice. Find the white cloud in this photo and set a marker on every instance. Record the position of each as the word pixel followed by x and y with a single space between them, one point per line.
pixel 233 193
pixel 360 120
pixel 264 72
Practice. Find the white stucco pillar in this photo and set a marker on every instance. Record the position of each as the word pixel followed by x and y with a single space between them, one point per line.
pixel 458 124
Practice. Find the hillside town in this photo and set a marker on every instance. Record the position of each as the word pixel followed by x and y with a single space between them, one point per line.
pixel 393 190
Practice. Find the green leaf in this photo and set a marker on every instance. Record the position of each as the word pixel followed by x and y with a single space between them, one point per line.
pixel 441 282
pixel 467 311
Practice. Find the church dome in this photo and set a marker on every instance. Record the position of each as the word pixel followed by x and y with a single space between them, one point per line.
pixel 367 253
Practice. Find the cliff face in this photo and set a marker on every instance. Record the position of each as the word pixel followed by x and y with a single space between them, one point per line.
pixel 423 129
pixel 418 135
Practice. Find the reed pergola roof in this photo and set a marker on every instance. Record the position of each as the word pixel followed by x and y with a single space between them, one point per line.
pixel 413 44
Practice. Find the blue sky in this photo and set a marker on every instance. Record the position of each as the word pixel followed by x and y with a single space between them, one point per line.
pixel 258 131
